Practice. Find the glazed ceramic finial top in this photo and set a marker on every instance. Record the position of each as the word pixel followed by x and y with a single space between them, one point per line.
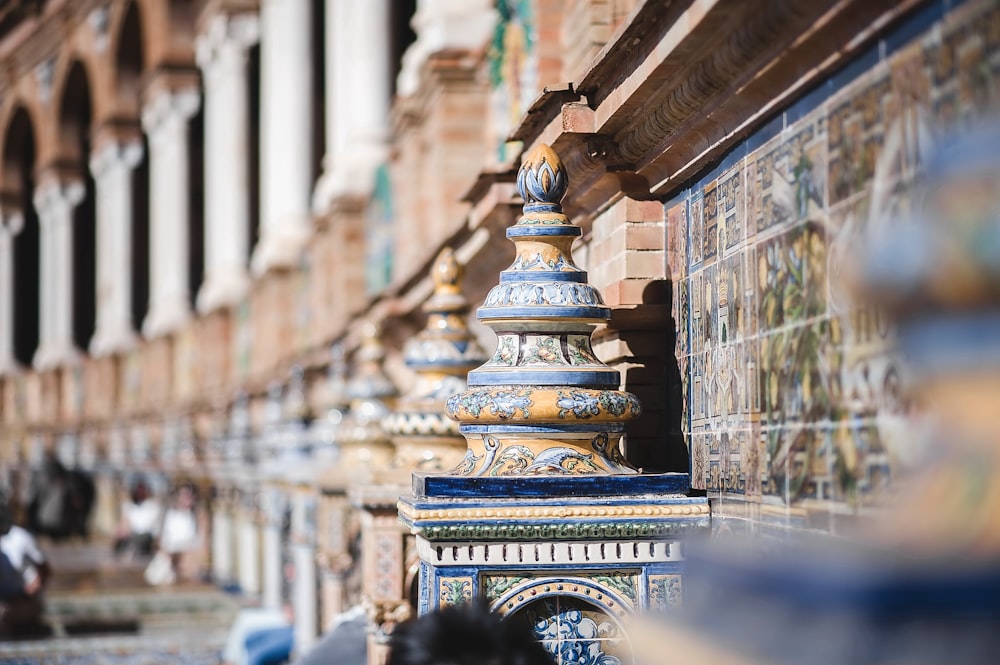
pixel 543 404
pixel 369 380
pixel 363 441
pixel 440 355
pixel 542 181
pixel 445 344
pixel 447 275
pixel 544 293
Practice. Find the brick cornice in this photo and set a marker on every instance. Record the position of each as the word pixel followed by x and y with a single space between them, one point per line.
pixel 683 82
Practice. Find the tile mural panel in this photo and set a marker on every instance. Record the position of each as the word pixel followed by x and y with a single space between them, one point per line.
pixel 792 391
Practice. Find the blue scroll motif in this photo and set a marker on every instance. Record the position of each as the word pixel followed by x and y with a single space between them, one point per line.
pixel 544 293
pixel 583 405
pixel 519 460
pixel 572 637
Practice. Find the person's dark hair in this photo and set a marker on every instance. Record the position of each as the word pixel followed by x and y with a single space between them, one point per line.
pixel 140 491
pixel 467 634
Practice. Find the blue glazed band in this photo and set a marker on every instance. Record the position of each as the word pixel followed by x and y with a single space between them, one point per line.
pixel 543 276
pixel 561 230
pixel 542 430
pixel 608 378
pixel 555 312
pixel 440 485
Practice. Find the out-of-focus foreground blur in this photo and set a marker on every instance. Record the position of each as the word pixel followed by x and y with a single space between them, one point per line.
pixel 242 244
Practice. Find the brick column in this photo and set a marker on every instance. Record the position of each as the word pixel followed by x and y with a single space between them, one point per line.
pixel 627 262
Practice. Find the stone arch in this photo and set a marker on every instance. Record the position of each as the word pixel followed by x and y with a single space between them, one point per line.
pixel 74 66
pixel 23 104
pixel 74 115
pixel 74 123
pixel 17 168
pixel 130 60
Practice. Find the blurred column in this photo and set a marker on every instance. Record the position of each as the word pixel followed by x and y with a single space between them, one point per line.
pixel 222 539
pixel 358 88
pixel 285 132
pixel 272 550
pixel 55 201
pixel 248 561
pixel 165 120
pixel 443 25
pixel 10 226
pixel 304 597
pixel 112 166
pixel 222 56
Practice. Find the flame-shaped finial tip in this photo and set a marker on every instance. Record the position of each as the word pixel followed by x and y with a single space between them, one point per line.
pixel 447 273
pixel 370 333
pixel 542 179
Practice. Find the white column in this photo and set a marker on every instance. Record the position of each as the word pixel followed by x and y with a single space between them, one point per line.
pixel 222 56
pixel 222 539
pixel 112 168
pixel 357 98
pixel 55 202
pixel 442 25
pixel 304 597
pixel 272 551
pixel 165 120
pixel 249 551
pixel 10 225
pixel 285 133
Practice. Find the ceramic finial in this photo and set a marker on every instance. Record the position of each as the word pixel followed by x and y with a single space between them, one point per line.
pixel 542 180
pixel 447 273
pixel 440 355
pixel 544 404
pixel 369 379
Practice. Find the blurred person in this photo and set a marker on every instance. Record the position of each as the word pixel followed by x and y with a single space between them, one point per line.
pixel 345 642
pixel 47 507
pixel 178 537
pixel 260 635
pixel 140 524
pixel 24 572
pixel 79 503
pixel 60 500
pixel 467 634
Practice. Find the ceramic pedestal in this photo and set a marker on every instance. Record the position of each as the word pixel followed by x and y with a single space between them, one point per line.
pixel 544 518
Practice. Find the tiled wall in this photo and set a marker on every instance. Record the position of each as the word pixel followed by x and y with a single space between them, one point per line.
pixel 793 403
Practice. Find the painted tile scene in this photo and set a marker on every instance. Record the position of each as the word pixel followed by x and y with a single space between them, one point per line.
pixel 793 384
